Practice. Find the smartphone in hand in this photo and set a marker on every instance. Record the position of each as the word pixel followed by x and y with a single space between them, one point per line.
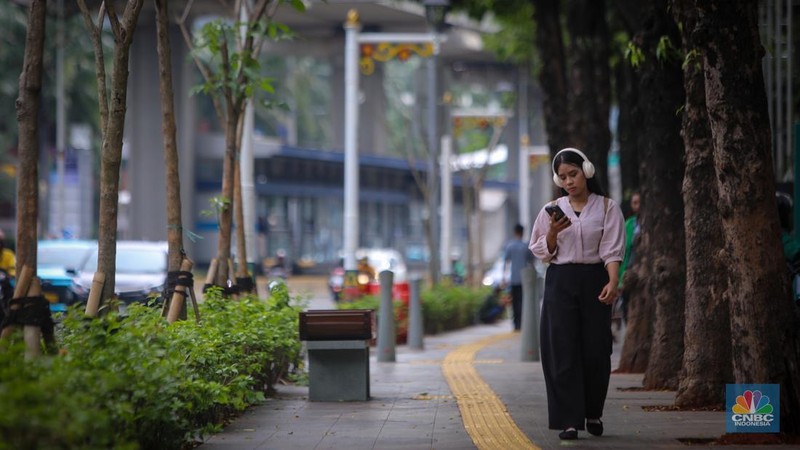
pixel 555 211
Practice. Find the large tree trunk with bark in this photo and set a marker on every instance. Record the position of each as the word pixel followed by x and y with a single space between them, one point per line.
pixel 628 14
pixel 628 125
pixel 589 82
pixel 707 339
pixel 763 324
pixel 30 93
pixel 661 96
pixel 641 309
pixel 552 73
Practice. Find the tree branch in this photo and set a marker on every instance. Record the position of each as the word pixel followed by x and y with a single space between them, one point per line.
pixel 99 59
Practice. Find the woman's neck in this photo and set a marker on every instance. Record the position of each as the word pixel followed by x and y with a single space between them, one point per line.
pixel 579 201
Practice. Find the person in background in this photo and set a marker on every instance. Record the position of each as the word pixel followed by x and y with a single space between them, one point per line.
pixel 8 261
pixel 631 231
pixel 791 246
pixel 582 237
pixel 517 255
pixel 493 306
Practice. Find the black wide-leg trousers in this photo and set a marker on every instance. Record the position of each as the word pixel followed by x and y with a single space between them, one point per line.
pixel 575 336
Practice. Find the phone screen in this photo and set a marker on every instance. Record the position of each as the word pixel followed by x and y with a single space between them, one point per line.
pixel 554 211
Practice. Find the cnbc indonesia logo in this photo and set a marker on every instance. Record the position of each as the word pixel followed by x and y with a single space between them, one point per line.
pixel 752 410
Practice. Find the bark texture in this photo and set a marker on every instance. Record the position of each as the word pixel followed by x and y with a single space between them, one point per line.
pixel 552 73
pixel 661 96
pixel 111 153
pixel 176 252
pixel 641 309
pixel 27 105
pixel 707 339
pixel 654 285
pixel 590 82
pixel 762 315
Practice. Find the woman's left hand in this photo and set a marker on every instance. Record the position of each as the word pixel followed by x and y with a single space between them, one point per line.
pixel 609 294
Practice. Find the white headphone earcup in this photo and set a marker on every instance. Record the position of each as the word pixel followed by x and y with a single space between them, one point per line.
pixel 557 180
pixel 588 169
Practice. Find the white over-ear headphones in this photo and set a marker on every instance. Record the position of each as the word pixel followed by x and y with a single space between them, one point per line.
pixel 587 166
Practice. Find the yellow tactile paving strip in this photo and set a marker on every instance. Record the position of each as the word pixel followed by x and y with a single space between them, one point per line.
pixel 485 417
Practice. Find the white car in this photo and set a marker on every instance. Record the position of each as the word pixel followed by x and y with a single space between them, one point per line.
pixel 141 271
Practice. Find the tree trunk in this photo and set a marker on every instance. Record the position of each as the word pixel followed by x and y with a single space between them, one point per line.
pixel 630 15
pixel 174 221
pixel 111 153
pixel 589 82
pixel 707 339
pixel 30 92
pixel 241 242
pixel 552 73
pixel 226 206
pixel 628 125
pixel 763 325
pixel 641 309
pixel 661 95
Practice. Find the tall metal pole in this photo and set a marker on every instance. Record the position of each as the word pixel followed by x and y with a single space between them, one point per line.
pixel 246 170
pixel 59 223
pixel 524 145
pixel 352 28
pixel 433 158
pixel 447 207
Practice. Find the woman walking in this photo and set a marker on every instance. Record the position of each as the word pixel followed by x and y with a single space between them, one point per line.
pixel 582 236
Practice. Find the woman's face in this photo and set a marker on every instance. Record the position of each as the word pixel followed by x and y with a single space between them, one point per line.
pixel 572 179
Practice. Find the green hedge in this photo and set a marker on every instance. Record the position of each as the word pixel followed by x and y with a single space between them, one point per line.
pixel 444 307
pixel 138 382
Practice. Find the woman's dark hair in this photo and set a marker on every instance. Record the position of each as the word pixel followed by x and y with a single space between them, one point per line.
pixel 568 157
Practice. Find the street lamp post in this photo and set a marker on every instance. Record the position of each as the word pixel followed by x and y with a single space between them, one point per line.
pixel 435 12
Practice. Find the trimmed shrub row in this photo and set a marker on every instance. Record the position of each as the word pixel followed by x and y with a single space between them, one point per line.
pixel 137 382
pixel 444 308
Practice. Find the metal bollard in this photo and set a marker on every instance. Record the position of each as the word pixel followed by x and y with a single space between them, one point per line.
pixel 415 325
pixel 529 339
pixel 386 327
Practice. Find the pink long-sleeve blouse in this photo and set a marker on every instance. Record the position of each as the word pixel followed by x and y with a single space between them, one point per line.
pixel 595 236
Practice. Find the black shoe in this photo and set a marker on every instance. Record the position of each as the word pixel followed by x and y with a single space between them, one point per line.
pixel 568 435
pixel 594 428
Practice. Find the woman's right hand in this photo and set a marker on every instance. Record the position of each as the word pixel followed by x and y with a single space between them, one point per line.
pixel 556 226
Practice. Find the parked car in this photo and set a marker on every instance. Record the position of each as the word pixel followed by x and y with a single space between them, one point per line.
pixel 141 271
pixel 58 262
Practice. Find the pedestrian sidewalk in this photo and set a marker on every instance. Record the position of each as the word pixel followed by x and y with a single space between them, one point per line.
pixel 412 406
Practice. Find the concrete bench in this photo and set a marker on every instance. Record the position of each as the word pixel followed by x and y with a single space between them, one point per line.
pixel 337 342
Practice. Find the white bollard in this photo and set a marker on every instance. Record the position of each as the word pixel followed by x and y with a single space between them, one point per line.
pixel 386 326
pixel 415 323
pixel 529 336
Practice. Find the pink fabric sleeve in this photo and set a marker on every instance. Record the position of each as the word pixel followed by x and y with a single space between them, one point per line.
pixel 538 242
pixel 612 244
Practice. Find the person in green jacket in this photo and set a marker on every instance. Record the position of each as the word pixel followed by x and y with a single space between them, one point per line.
pixel 791 246
pixel 631 231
